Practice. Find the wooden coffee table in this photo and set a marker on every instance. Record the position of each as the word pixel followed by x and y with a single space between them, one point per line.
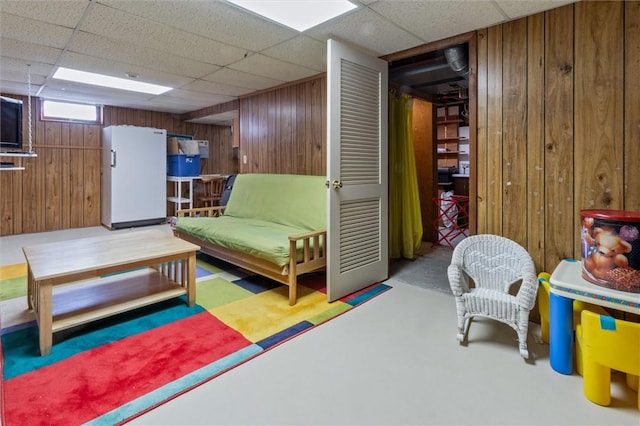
pixel 105 276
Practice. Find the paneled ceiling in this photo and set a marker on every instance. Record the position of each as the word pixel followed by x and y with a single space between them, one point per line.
pixel 210 51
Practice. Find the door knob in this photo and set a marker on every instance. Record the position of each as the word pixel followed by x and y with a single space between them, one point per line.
pixel 336 184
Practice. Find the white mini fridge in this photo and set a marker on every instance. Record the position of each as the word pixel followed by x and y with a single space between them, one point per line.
pixel 134 176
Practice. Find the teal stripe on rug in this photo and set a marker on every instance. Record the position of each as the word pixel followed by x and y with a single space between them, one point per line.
pixel 369 294
pixel 161 394
pixel 22 351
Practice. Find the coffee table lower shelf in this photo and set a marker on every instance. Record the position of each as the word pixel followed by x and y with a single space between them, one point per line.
pixel 81 303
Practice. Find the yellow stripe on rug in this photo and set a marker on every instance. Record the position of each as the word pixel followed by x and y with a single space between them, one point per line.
pixel 13 271
pixel 268 313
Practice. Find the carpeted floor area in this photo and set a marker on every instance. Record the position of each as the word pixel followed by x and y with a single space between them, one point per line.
pixel 428 270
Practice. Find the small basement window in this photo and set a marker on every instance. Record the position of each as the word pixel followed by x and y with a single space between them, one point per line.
pixel 71 112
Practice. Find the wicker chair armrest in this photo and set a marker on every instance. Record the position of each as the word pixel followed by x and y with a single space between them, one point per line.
pixel 457 280
pixel 528 292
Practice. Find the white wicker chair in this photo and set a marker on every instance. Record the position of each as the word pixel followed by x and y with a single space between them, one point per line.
pixel 495 264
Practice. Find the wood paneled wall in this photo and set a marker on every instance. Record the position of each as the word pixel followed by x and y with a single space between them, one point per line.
pixel 60 188
pixel 558 124
pixel 284 130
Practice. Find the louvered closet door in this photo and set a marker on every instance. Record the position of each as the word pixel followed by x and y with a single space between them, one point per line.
pixel 357 170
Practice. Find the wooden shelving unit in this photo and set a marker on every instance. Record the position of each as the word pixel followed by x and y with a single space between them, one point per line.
pixel 448 135
pixel 452 149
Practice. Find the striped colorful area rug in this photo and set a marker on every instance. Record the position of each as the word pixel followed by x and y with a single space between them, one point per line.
pixel 112 370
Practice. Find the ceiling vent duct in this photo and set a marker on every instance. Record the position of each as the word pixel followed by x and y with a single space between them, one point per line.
pixel 457 59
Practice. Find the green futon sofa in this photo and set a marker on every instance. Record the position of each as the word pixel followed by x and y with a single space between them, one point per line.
pixel 273 225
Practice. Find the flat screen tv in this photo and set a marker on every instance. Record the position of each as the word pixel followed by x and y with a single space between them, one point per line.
pixel 10 124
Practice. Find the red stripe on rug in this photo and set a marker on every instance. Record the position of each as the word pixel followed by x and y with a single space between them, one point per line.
pixel 87 385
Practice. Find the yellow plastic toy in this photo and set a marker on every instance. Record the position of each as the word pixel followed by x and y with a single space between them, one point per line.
pixel 605 343
pixel 543 306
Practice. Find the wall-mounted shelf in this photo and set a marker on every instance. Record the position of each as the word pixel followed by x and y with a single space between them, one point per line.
pixel 19 156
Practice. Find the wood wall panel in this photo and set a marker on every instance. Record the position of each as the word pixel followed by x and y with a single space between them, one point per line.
pixel 302 156
pixel 68 189
pixel 261 153
pixel 53 162
pixel 478 168
pixel 493 167
pixel 599 121
pixel 559 86
pixel 319 130
pixel 632 106
pixel 91 156
pixel 472 40
pixel 535 209
pixel 283 130
pixel 60 188
pixel 8 212
pixel 274 139
pixel 514 132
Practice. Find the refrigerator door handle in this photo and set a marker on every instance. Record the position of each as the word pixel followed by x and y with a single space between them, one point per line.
pixel 113 158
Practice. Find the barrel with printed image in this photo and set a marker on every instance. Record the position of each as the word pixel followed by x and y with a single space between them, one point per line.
pixel 610 248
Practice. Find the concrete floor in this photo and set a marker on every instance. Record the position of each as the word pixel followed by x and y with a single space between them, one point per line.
pixel 393 361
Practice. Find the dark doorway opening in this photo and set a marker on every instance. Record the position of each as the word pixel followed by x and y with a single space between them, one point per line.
pixel 439 74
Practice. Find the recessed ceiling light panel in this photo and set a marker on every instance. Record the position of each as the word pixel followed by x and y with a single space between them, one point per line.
pixel 297 14
pixel 85 77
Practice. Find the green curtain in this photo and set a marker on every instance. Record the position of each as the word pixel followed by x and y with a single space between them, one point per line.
pixel 405 221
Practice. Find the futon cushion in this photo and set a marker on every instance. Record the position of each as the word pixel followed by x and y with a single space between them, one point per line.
pixel 256 237
pixel 298 201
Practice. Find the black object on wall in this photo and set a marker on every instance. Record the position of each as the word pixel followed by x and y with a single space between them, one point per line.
pixel 10 124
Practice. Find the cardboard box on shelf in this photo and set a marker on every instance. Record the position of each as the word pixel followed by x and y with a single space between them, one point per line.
pixel 188 147
pixel 176 145
pixel 172 146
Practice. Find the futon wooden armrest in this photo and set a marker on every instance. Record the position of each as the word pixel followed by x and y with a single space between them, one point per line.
pixel 314 246
pixel 310 234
